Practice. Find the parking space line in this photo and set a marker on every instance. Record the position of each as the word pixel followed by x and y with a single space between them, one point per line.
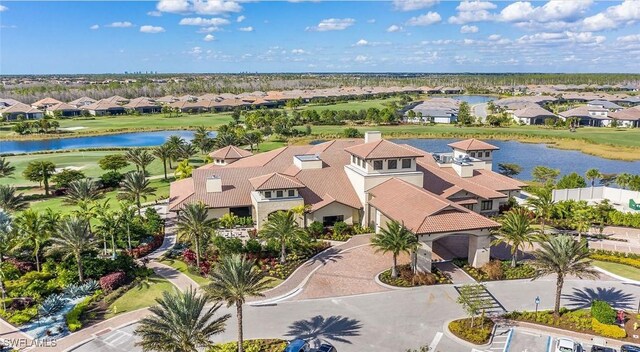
pixel 436 341
pixel 549 344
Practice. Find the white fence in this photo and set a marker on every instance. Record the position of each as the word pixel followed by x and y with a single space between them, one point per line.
pixel 614 195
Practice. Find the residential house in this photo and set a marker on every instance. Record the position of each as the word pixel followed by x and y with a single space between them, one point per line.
pixel 533 115
pixel 588 115
pixel 63 110
pixel 104 108
pixel 191 107
pixel 82 101
pixel 8 102
pixel 604 104
pixel 142 105
pixel 13 112
pixel 45 103
pixel 629 117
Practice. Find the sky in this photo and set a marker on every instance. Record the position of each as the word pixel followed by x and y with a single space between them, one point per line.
pixel 232 36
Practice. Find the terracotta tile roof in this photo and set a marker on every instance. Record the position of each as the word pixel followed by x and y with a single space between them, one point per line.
pixel 20 108
pixel 102 105
pixel 423 212
pixel 472 144
pixel 62 107
pixel 185 104
pixel 230 152
pixel 533 111
pixel 46 101
pixel 274 181
pixel 82 101
pixel 142 102
pixel 381 149
pixel 630 114
pixel 116 99
pixel 180 191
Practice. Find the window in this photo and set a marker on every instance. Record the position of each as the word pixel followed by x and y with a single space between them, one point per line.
pixel 406 163
pixel 392 164
pixel 486 205
pixel 377 164
pixel 279 194
pixel 487 154
pixel 468 206
pixel 267 194
pixel 331 220
pixel 354 159
pixel 473 154
pixel 292 193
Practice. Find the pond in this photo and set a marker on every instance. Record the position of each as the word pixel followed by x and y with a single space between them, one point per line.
pixel 472 99
pixel 135 139
pixel 531 155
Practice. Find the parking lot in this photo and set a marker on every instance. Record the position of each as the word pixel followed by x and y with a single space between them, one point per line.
pixel 522 340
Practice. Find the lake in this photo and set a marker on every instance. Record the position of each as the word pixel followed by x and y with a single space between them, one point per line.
pixel 472 99
pixel 531 155
pixel 135 139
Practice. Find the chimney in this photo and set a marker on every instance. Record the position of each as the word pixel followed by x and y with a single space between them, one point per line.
pixel 214 184
pixel 372 136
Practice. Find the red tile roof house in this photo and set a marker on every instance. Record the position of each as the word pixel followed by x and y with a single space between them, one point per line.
pixel 12 112
pixel 360 182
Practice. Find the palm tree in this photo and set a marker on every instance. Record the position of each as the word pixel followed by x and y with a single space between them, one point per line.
pixel 193 224
pixel 226 139
pixel 133 156
pixel 108 226
pixel 255 138
pixel 146 158
pixel 136 186
pixel 592 175
pixel 283 227
pixel 10 201
pixel 174 143
pixel 623 179
pixel 126 215
pixel 179 324
pixel 563 256
pixel 515 231
pixel 140 158
pixel 542 205
pixel 31 227
pixel 396 239
pixel 234 280
pixel 73 239
pixel 6 169
pixel 163 152
pixel 85 190
pixel 7 235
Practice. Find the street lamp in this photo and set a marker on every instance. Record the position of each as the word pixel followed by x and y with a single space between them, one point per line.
pixel 537 303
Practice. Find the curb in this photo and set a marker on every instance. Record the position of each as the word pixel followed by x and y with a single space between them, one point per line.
pixel 618 277
pixel 455 338
pixel 390 287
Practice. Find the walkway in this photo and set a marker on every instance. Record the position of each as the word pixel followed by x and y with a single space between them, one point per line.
pixel 457 275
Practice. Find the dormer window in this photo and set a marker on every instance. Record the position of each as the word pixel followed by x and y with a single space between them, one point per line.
pixel 406 163
pixel 392 164
pixel 377 164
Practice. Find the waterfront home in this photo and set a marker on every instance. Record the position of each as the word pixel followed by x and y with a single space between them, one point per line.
pixel 360 181
pixel 13 112
pixel 82 101
pixel 103 108
pixel 629 117
pixel 142 105
pixel 191 107
pixel 437 110
pixel 45 103
pixel 63 110
pixel 533 115
pixel 588 115
pixel 604 104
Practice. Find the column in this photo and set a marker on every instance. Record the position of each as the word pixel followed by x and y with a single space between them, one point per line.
pixel 479 250
pixel 423 256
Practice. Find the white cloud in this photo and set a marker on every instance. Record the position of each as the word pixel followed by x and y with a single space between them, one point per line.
pixel 613 17
pixel 298 51
pixel 476 5
pixel 151 29
pixel 469 29
pixel 555 38
pixel 209 37
pixel 124 24
pixel 425 20
pixel 94 27
pixel 240 19
pixel 412 5
pixel 362 42
pixel 173 6
pixel 196 50
pixel 473 11
pixel 373 20
pixel 209 29
pixel 202 7
pixel 199 21
pixel 332 24
pixel 360 58
pixel 3 8
pixel 246 29
pixel 554 10
pixel 154 13
pixel 633 38
pixel 494 37
pixel 394 28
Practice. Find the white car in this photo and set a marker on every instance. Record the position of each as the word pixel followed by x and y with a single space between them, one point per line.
pixel 566 345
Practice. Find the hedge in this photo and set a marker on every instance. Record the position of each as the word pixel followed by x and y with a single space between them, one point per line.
pixel 73 317
pixel 619 259
pixel 602 312
pixel 607 330
pixel 252 346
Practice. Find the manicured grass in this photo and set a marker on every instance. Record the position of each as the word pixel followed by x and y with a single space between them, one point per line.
pixel 183 268
pixel 141 296
pixel 626 271
pixel 274 281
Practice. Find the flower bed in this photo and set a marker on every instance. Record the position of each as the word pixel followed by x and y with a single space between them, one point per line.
pixel 496 270
pixel 616 257
pixel 263 345
pixel 477 331
pixel 406 277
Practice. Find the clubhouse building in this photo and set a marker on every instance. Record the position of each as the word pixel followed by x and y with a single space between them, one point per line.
pixel 367 182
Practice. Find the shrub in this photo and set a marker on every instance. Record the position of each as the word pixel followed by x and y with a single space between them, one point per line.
pixel 22 316
pixel 253 246
pixel 111 179
pixel 493 269
pixel 479 334
pixel 315 229
pixel 73 317
pixel 607 330
pixel 420 279
pixel 252 346
pixel 619 259
pixel 112 281
pixel 602 312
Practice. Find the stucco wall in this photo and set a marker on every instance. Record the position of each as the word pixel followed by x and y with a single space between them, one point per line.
pixel 350 215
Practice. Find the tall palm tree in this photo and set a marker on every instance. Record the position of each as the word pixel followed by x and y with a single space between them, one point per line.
pixel 135 186
pixel 253 138
pixel 73 239
pixel 85 190
pixel 126 215
pixel 175 143
pixel 234 280
pixel 180 323
pixel 395 238
pixel 592 175
pixel 10 201
pixel 163 152
pixel 146 158
pixel 33 234
pixel 108 226
pixel 283 227
pixel 133 156
pixel 193 224
pixel 623 179
pixel 7 234
pixel 542 205
pixel 6 169
pixel 515 231
pixel 226 139
pixel 562 255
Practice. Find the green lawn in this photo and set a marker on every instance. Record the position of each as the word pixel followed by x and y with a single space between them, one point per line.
pixel 182 267
pixel 141 296
pixel 619 269
pixel 351 105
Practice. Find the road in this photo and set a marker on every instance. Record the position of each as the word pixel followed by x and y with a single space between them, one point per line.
pixel 390 321
pixel 480 111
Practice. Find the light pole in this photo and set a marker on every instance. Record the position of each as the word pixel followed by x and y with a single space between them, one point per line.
pixel 537 303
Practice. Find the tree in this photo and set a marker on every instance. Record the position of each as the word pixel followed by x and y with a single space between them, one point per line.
pixel 464 114
pixel 202 140
pixel 179 322
pixel 233 281
pixel 545 175
pixel 31 228
pixel 563 256
pixel 607 179
pixel 113 162
pixel 471 300
pixel 582 217
pixel 140 158
pixel 186 151
pixel 623 179
pixel 72 240
pixel 395 238
pixel 6 169
pixel 40 171
pixel 7 234
pixel 542 205
pixel 63 178
pixel 283 227
pixel 253 138
pixel 163 152
pixel 10 201
pixel 134 187
pixel 226 139
pixel 572 180
pixel 174 143
pixel 592 175
pixel 351 132
pixel 183 170
pixel 515 231
pixel 84 190
pixel 194 224
pixel 509 169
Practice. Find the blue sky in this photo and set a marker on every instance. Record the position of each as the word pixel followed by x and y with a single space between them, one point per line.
pixel 319 36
